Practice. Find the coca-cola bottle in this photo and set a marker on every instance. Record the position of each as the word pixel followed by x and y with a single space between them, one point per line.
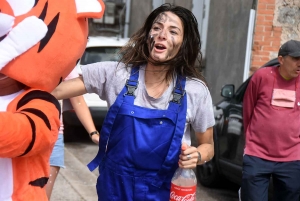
pixel 183 185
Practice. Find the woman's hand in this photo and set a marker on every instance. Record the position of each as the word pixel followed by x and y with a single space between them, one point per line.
pixel 95 139
pixel 191 156
pixel 188 157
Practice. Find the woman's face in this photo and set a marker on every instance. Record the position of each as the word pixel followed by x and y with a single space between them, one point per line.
pixel 165 37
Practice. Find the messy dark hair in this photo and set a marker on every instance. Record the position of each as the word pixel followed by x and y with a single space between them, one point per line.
pixel 136 52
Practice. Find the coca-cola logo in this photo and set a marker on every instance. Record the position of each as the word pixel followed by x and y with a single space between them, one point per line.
pixel 188 197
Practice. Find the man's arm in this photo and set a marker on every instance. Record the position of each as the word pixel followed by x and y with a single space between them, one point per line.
pixel 249 102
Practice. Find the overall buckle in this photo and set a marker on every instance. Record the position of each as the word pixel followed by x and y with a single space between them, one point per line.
pixel 177 96
pixel 131 87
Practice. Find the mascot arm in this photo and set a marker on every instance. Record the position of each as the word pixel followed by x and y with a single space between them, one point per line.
pixel 32 129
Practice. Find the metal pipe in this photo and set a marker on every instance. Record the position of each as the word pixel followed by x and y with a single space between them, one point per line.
pixel 201 12
pixel 127 18
pixel 249 44
pixel 157 3
pixel 198 7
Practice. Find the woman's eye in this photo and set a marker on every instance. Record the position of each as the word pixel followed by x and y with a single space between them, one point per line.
pixel 173 32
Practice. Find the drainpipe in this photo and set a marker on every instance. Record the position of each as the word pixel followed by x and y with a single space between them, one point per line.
pixel 157 3
pixel 127 18
pixel 249 41
pixel 201 12
pixel 198 11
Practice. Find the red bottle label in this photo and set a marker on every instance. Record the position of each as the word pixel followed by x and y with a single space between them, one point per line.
pixel 180 193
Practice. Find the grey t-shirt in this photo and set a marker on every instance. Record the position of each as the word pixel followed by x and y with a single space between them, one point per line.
pixel 107 79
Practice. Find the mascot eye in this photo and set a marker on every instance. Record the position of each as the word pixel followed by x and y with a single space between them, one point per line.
pixel 21 7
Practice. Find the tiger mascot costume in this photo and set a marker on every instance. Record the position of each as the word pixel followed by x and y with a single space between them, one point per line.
pixel 40 43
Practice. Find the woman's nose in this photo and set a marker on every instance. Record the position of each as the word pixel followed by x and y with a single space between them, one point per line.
pixel 162 34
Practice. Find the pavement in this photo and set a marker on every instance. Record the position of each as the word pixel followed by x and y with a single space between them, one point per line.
pixel 76 182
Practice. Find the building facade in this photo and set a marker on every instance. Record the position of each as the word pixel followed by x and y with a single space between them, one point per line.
pixel 277 21
pixel 238 36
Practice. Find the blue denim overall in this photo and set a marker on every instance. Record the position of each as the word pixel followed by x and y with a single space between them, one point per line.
pixel 139 147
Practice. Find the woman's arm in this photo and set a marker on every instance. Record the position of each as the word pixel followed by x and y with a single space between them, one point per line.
pixel 206 145
pixel 69 88
pixel 205 148
pixel 84 115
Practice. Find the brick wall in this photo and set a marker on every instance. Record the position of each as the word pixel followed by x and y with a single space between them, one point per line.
pixel 266 38
pixel 277 21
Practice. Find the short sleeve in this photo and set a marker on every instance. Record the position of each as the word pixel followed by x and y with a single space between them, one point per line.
pixel 200 107
pixel 72 75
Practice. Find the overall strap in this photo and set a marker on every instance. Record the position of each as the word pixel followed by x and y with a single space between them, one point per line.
pixel 179 104
pixel 131 85
pixel 178 93
pixel 126 93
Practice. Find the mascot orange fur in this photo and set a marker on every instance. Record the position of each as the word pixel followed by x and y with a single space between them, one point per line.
pixel 40 43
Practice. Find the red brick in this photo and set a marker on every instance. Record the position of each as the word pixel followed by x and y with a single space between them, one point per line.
pixel 271 38
pixel 268 48
pixel 267 23
pixel 258 34
pixel 256 57
pixel 253 69
pixel 260 17
pixel 275 28
pixel 269 28
pixel 263 53
pixel 270 6
pixel 256 47
pixel 275 43
pixel 276 34
pixel 258 37
pixel 266 33
pixel 261 6
pixel 264 43
pixel 269 17
pixel 257 64
pixel 259 28
pixel 264 59
pixel 267 1
pixel 266 12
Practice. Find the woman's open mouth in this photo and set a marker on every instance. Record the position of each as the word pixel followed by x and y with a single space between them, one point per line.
pixel 160 47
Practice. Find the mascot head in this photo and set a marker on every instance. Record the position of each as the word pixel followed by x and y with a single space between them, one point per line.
pixel 41 40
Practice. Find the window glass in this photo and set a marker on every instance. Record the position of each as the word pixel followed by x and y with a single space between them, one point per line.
pixel 97 54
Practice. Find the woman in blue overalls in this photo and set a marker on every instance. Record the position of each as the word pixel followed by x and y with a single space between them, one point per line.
pixel 154 94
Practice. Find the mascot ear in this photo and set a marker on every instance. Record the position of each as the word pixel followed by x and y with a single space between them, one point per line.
pixel 90 8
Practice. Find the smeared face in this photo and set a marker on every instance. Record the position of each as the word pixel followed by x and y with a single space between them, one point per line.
pixel 165 37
